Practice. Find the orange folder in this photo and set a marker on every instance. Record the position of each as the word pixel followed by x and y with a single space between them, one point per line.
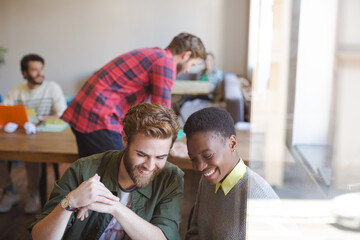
pixel 16 114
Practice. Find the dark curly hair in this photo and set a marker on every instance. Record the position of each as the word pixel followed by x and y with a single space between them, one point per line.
pixel 24 63
pixel 210 119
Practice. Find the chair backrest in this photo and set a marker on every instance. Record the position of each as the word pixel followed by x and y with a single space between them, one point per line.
pixel 234 97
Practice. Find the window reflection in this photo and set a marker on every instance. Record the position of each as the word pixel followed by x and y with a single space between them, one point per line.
pixel 305 120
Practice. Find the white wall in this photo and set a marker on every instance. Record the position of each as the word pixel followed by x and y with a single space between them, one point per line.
pixel 234 39
pixel 346 164
pixel 314 76
pixel 78 37
pixel 349 37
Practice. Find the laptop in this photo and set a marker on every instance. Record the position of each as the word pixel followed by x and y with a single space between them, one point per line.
pixel 16 114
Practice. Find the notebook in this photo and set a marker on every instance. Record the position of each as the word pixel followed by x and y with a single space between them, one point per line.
pixel 16 114
pixel 52 126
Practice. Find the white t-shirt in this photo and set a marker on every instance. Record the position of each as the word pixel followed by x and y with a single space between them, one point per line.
pixel 114 231
pixel 47 99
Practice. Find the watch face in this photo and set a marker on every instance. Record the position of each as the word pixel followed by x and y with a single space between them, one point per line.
pixel 64 203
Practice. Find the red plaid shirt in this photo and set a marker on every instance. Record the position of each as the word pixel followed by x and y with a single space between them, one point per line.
pixel 138 76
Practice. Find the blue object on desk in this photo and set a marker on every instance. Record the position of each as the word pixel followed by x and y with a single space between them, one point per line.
pixel 52 126
pixel 69 98
pixel 180 134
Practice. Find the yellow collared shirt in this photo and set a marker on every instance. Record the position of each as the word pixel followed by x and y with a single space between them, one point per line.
pixel 233 178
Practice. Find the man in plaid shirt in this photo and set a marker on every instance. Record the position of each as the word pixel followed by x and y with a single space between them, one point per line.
pixel 147 74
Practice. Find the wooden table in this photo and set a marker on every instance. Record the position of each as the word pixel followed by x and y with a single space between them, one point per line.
pixel 60 147
pixel 48 147
pixel 191 87
pixel 52 147
pixel 184 89
pixel 43 147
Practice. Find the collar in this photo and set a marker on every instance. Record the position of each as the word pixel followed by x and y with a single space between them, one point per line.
pixel 109 170
pixel 233 178
pixel 35 89
pixel 168 52
pixel 146 191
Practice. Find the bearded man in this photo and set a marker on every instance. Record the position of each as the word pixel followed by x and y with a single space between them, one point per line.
pixel 48 101
pixel 134 193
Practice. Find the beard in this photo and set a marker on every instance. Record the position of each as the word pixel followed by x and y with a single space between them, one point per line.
pixel 179 68
pixel 136 177
pixel 32 80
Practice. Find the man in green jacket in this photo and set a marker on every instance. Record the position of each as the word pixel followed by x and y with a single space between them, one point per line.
pixel 134 193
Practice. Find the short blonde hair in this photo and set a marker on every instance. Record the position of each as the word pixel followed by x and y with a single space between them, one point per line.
pixel 151 119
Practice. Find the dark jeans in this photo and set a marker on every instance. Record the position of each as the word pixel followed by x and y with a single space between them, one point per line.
pixel 97 142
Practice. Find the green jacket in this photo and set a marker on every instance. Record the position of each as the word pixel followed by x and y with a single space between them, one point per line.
pixel 159 202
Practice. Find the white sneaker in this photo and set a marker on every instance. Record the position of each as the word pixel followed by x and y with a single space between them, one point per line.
pixel 8 200
pixel 33 204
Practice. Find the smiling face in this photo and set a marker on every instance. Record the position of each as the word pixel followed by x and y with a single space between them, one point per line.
pixel 145 157
pixel 211 155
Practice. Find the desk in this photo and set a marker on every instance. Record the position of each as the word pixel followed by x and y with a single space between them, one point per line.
pixel 187 88
pixel 52 147
pixel 191 87
pixel 47 147
pixel 60 147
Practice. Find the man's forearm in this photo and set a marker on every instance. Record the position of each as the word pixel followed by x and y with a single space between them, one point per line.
pixel 53 225
pixel 136 227
pixel 90 191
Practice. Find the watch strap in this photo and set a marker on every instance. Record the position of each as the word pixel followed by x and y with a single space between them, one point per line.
pixel 69 208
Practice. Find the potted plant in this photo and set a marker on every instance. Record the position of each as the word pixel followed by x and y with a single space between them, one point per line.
pixel 2 54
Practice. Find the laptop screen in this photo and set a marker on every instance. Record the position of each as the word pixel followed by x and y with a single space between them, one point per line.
pixel 16 114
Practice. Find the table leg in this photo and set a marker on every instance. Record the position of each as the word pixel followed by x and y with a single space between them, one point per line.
pixel 43 184
pixel 56 170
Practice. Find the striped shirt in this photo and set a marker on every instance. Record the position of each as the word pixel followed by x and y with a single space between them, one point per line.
pixel 114 231
pixel 47 99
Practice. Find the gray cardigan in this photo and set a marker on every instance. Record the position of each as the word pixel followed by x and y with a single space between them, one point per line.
pixel 217 216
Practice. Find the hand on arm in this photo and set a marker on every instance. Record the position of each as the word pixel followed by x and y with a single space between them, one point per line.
pixel 165 217
pixel 91 191
pixel 54 224
pixel 134 226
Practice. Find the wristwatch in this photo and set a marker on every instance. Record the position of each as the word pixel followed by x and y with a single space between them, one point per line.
pixel 65 204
